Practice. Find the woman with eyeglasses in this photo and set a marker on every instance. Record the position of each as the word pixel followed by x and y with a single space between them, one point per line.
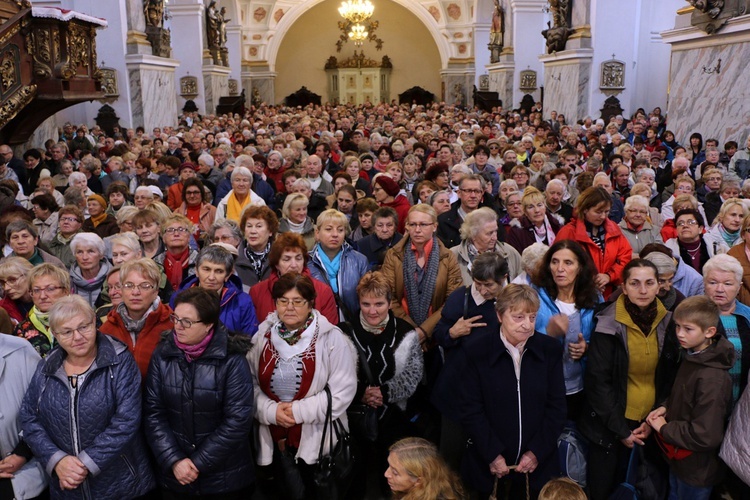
pixel 296 355
pixel 178 259
pixel 196 207
pixel 47 284
pixel 198 404
pixel 81 413
pixel 16 299
pixel 142 317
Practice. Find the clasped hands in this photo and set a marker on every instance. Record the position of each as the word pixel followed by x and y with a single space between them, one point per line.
pixel 527 464
pixel 10 465
pixel 637 436
pixel 373 397
pixel 557 326
pixel 285 416
pixel 656 418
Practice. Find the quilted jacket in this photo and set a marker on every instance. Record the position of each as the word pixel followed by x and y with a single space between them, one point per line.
pixel 201 410
pixel 354 265
pixel 101 425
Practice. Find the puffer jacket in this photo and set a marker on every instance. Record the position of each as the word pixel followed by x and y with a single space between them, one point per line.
pixel 101 426
pixel 697 411
pixel 325 302
pixel 735 450
pixel 201 410
pixel 354 265
pixel 237 311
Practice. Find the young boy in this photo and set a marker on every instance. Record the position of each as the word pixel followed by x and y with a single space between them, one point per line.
pixel 690 428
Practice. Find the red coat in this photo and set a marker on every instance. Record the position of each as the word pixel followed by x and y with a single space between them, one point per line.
pixel 401 205
pixel 174 196
pixel 617 249
pixel 325 302
pixel 157 323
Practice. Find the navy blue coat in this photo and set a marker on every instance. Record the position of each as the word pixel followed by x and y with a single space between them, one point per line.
pixel 374 249
pixel 201 410
pixel 108 407
pixel 503 417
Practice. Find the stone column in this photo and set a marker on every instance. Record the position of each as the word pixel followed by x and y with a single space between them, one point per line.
pixel 527 43
pixel 234 45
pixel 567 76
pixel 188 35
pixel 152 85
pixel 215 85
pixel 502 77
pixel 458 85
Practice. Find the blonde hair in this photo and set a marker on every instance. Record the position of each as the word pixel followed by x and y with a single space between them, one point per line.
pixel 293 199
pixel 727 205
pixel 145 267
pixel 421 460
pixel 562 488
pixel 531 195
pixel 425 209
pixel 68 308
pixel 333 216
pixel 177 219
pixel 47 269
pixel 15 266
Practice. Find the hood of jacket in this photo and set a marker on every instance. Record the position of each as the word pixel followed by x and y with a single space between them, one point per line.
pixel 720 354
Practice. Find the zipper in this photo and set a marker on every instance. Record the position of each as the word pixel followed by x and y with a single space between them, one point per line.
pixel 76 431
pixel 520 416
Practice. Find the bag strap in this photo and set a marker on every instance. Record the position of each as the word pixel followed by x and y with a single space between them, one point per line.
pixel 630 476
pixel 326 424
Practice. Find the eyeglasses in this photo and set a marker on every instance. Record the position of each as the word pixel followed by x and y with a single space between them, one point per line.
pixel 81 330
pixel 192 193
pixel 49 290
pixel 183 322
pixel 471 191
pixel 10 281
pixel 683 223
pixel 422 226
pixel 69 219
pixel 172 230
pixel 494 147
pixel 284 302
pixel 144 287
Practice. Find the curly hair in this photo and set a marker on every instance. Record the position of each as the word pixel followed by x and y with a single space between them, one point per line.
pixel 421 460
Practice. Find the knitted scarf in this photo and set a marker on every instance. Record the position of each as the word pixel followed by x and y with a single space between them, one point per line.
pixel 730 238
pixel 195 351
pixel 643 318
pixel 234 206
pixel 257 259
pixel 99 219
pixel 332 267
pixel 174 265
pixel 419 292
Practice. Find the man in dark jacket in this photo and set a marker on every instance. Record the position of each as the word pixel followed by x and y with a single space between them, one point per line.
pixel 470 197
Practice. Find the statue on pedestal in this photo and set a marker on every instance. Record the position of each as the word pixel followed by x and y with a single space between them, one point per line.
pixel 154 11
pixel 557 35
pixel 158 37
pixel 497 32
pixel 213 32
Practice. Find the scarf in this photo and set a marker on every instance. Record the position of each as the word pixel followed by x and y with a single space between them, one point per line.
pixel 99 219
pixel 40 321
pixel 174 266
pixel 374 329
pixel 730 238
pixel 545 232
pixel 598 239
pixel 291 337
pixel 234 207
pixel 195 351
pixel 36 259
pixel 643 318
pixel 419 303
pixel 134 326
pixel 257 259
pixel 296 228
pixel 332 267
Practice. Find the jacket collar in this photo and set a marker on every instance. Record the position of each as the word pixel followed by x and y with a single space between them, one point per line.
pixel 217 348
pixel 107 351
pixel 532 347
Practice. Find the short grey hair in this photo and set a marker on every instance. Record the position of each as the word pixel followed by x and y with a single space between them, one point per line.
pixel 87 240
pixel 645 171
pixel 664 263
pixel 636 200
pixel 225 223
pixel 725 263
pixel 554 182
pixel 302 182
pixel 68 308
pixel 490 266
pixel 144 189
pixel 216 254
pixel 244 161
pixel 275 153
pixel 20 225
pixel 242 172
pixel 532 257
pixel 127 239
pixel 75 176
pixel 474 222
pixel 207 159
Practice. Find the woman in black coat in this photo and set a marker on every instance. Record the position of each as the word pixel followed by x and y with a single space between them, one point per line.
pixel 198 412
pixel 512 407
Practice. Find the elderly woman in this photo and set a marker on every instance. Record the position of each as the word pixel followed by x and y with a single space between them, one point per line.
pixel 126 247
pixel 199 433
pixel 289 253
pixel 479 235
pixel 295 219
pixel 47 285
pixel 146 225
pixel 600 237
pixel 241 195
pixel 299 360
pixel 386 192
pixel 124 219
pixel 353 167
pixel 440 201
pixel 214 271
pixel 113 295
pixel 390 370
pixel 260 226
pixel 531 259
pixel 654 217
pixel 45 217
pixel 178 259
pixel 535 226
pixel 725 233
pixel 89 441
pixel 47 186
pixel 196 207
pixel 78 179
pixel 635 225
pixel 722 278
pixel 336 262
pixel 514 209
pixel 90 270
pixel 512 407
pixel 425 189
pixel 99 221
pixel 420 262
pixel 17 300
pixel 23 239
pixel 375 246
pixel 566 311
pixel 730 188
pixel 740 252
pixel 627 350
pixel 142 317
pixel 225 231
pixel 669 295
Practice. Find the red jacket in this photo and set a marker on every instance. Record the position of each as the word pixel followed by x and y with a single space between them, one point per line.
pixel 157 323
pixel 174 196
pixel 401 205
pixel 325 302
pixel 617 250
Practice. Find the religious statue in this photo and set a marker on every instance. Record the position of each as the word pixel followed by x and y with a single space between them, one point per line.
pixel 459 98
pixel 710 7
pixel 222 20
pixel 154 11
pixel 213 35
pixel 557 34
pixel 497 32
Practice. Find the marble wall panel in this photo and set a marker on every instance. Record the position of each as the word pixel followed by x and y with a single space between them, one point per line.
pixel 154 101
pixel 501 81
pixel 716 105
pixel 215 86
pixel 265 89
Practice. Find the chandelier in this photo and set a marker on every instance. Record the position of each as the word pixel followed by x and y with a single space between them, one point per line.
pixel 358 34
pixel 356 11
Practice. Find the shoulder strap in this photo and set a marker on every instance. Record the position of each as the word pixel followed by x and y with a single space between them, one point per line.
pixel 467 293
pixel 327 423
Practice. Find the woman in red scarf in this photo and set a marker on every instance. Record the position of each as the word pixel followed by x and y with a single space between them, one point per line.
pixel 178 259
pixel 195 207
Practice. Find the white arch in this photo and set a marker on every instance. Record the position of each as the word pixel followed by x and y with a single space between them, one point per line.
pixel 295 12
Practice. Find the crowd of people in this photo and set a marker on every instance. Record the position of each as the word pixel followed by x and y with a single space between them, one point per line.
pixel 205 310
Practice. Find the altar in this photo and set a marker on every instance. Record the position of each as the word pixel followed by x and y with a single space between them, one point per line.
pixel 358 79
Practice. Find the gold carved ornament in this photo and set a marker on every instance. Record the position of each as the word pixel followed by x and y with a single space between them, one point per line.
pixel 77 42
pixel 8 71
pixel 16 103
pixel 12 31
pixel 38 45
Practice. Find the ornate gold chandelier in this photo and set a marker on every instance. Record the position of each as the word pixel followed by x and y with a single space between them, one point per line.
pixel 356 11
pixel 358 34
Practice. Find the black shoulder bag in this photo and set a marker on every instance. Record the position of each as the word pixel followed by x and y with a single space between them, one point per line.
pixel 363 418
pixel 333 473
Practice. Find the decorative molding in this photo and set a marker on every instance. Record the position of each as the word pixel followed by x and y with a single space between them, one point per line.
pixel 189 87
pixel 12 31
pixel 233 87
pixel 16 103
pixel 581 32
pixel 612 75
pixel 109 82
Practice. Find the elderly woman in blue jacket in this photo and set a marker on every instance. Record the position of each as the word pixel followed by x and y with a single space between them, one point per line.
pixel 214 271
pixel 513 403
pixel 81 415
pixel 566 310
pixel 335 262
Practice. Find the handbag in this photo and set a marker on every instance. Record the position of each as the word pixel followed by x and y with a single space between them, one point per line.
pixel 363 419
pixel 287 475
pixel 572 451
pixel 333 472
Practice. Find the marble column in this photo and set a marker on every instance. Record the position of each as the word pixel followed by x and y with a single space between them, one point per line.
pixel 215 86
pixel 152 86
pixel 527 43
pixel 567 80
pixel 264 84
pixel 188 37
pixel 234 45
pixel 502 78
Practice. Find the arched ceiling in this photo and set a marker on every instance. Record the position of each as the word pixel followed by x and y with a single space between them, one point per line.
pixel 264 22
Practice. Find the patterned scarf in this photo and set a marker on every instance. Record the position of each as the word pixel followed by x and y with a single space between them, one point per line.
pixel 597 238
pixel 419 303
pixel 195 351
pixel 643 318
pixel 257 259
pixel 134 326
pixel 40 321
pixel 291 337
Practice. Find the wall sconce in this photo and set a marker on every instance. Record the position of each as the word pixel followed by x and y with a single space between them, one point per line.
pixel 716 69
